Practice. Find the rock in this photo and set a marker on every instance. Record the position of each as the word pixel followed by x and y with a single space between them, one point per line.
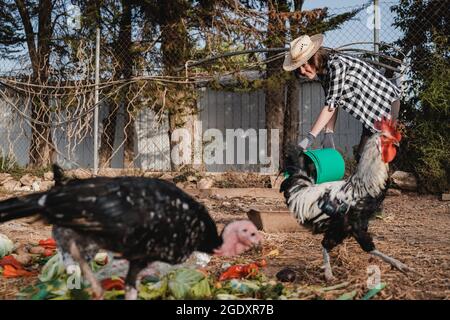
pixel 11 185
pixel 205 183
pixel 48 176
pixel 180 185
pixel 190 185
pixel 46 185
pixel 6 180
pixel 393 192
pixel 149 174
pixel 81 174
pixel 4 177
pixel 36 186
pixel 27 180
pixel 24 189
pixel 166 176
pixel 217 197
pixel 445 197
pixel 404 180
pixel 226 204
pixel 191 178
pixel 286 275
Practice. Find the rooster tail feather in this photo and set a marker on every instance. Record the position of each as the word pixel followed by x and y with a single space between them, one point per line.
pixel 20 207
pixel 58 175
pixel 299 169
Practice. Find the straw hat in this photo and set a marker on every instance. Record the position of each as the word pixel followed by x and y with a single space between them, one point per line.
pixel 301 49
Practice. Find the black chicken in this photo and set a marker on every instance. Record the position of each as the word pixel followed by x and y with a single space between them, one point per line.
pixel 342 209
pixel 143 220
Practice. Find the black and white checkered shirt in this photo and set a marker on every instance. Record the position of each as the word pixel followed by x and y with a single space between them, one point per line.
pixel 359 89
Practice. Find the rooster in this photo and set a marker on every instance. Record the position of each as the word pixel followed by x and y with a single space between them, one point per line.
pixel 342 209
pixel 142 220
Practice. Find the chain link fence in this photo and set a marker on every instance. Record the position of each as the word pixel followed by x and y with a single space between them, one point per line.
pixel 158 108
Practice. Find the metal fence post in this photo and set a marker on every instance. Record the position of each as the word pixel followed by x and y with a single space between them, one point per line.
pixel 97 80
pixel 376 29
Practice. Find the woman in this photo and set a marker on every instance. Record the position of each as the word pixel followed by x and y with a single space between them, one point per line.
pixel 348 82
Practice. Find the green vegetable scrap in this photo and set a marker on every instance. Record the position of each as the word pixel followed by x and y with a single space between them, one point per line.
pixel 373 292
pixel 53 269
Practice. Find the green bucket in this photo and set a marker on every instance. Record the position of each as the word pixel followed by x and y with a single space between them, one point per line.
pixel 329 163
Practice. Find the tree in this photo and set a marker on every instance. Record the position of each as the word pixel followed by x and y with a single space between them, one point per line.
pixel 19 20
pixel 426 109
pixel 123 60
pixel 287 21
pixel 176 20
pixel 275 75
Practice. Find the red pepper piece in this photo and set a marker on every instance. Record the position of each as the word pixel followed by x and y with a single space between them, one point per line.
pixel 48 243
pixel 10 272
pixel 239 271
pixel 113 284
pixel 10 260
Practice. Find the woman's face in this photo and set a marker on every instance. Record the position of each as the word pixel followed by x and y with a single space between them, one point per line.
pixel 308 70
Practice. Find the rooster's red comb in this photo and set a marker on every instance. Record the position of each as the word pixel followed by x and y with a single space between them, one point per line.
pixel 390 127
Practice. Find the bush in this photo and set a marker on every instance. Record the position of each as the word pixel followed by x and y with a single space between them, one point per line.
pixel 426 147
pixel 427 154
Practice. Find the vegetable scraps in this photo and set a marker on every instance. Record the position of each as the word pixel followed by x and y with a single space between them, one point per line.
pixel 13 268
pixel 242 271
pixel 6 246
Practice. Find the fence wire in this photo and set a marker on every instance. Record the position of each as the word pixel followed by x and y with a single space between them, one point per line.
pixel 151 85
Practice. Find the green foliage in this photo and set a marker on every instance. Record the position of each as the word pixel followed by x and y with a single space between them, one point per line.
pixel 426 147
pixel 425 108
pixel 9 165
pixel 437 92
pixel 427 153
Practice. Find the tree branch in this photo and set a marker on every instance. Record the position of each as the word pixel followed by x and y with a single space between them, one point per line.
pixel 29 33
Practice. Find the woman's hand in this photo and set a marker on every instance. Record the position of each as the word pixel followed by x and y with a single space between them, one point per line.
pixel 307 142
pixel 328 140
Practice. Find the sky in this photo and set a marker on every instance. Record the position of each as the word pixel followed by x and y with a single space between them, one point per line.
pixel 360 29
pixel 357 30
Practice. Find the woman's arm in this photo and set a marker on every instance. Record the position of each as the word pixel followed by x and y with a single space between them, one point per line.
pixel 323 119
pixel 332 123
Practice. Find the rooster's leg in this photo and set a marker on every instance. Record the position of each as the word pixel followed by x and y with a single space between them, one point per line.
pixel 326 264
pixel 131 293
pixel 86 269
pixel 393 262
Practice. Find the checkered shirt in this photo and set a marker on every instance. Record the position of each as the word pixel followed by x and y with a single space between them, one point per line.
pixel 359 89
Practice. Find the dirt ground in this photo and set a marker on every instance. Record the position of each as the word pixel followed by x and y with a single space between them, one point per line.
pixel 413 228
